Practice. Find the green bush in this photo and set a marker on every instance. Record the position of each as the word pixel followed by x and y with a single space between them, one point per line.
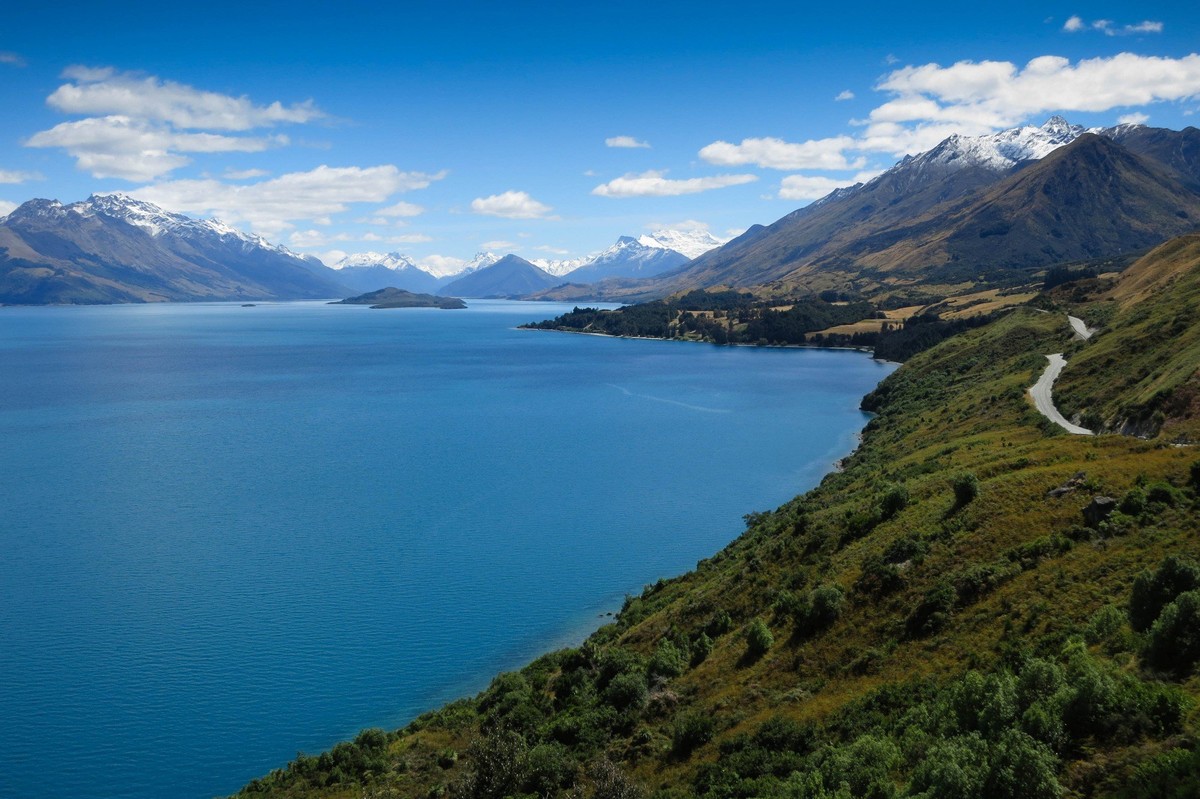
pixel 966 488
pixel 1134 502
pixel 1153 592
pixel 691 729
pixel 758 638
pixel 627 691
pixel 1175 635
pixel 933 611
pixel 895 499
pixel 826 607
pixel 668 660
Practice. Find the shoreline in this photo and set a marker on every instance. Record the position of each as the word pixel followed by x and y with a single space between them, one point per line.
pixel 711 343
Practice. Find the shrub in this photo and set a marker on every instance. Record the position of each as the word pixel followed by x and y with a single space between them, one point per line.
pixel 895 499
pixel 668 661
pixel 1195 475
pixel 1104 625
pixel 691 729
pixel 1152 592
pixel 827 604
pixel 1175 636
pixel 933 611
pixel 702 647
pixel 966 488
pixel 1133 503
pixel 758 638
pixel 627 691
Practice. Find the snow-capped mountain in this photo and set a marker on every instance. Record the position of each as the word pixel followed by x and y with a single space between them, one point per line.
pixel 558 268
pixel 371 271
pixel 692 243
pixel 999 152
pixel 390 260
pixel 629 257
pixel 114 248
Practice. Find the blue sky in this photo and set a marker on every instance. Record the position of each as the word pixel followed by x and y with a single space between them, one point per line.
pixel 440 129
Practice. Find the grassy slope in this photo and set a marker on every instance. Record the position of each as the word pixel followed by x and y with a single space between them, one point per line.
pixel 960 407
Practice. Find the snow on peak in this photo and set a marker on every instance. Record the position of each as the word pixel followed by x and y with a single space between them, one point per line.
pixel 391 260
pixel 559 267
pixel 692 243
pixel 1000 151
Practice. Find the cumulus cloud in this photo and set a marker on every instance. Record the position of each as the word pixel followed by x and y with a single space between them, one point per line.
pixel 273 206
pixel 245 174
pixel 133 149
pixel 845 95
pixel 1133 119
pixel 441 265
pixel 687 225
pixel 6 207
pixel 11 58
pixel 772 153
pixel 15 176
pixel 655 184
pixel 931 101
pixel 511 205
pixel 814 187
pixel 140 128
pixel 1076 24
pixel 106 92
pixel 498 244
pixel 401 209
pixel 625 141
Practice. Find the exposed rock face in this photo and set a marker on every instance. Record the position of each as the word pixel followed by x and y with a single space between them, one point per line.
pixel 1098 510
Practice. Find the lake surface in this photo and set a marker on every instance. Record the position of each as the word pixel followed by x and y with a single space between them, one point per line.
pixel 230 534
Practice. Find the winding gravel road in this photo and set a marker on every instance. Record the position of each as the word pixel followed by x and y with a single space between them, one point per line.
pixel 1043 400
pixel 1082 331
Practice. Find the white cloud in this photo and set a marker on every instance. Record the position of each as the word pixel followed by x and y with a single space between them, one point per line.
pixel 654 184
pixel 401 209
pixel 273 206
pixel 106 92
pixel 245 174
pixel 1146 26
pixel 845 94
pixel 498 244
pixel 687 225
pixel 140 128
pixel 121 147
pixel 6 207
pixel 931 101
pixel 772 153
pixel 552 250
pixel 409 238
pixel 441 265
pixel 1076 24
pixel 734 232
pixel 330 257
pixel 11 58
pixel 15 176
pixel 1133 119
pixel 625 141
pixel 511 205
pixel 814 187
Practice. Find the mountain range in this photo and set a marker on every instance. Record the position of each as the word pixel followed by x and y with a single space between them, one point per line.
pixel 116 249
pixel 989 209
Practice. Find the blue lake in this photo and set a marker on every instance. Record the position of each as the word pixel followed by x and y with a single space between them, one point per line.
pixel 231 534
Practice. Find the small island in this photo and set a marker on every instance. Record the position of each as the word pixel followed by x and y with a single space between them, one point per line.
pixel 399 298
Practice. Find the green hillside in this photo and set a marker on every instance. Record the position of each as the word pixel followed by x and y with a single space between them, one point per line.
pixel 937 619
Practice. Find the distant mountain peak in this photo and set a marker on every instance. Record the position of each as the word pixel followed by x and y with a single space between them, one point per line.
pixel 392 260
pixel 691 243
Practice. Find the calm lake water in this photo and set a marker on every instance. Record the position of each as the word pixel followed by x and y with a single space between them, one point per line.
pixel 230 534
